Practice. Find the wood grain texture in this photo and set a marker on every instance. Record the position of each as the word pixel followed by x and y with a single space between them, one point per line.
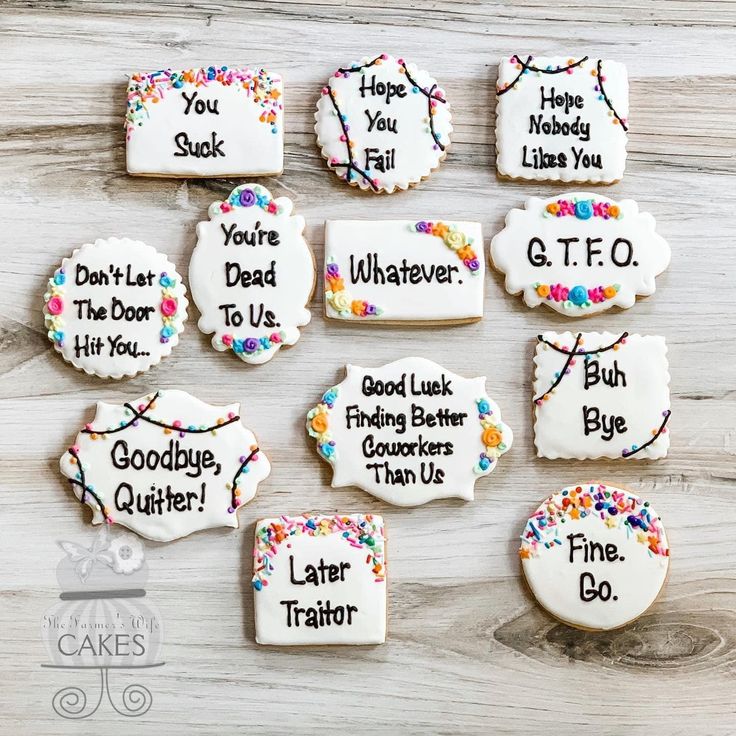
pixel 468 652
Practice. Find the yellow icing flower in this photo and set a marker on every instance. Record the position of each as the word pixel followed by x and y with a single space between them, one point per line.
pixel 341 300
pixel 455 239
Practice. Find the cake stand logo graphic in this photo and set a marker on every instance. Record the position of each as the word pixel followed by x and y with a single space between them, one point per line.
pixel 103 622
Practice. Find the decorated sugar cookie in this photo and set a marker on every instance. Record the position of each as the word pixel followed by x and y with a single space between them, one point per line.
pixel 409 432
pixel 382 123
pixel 561 119
pixel 252 274
pixel 320 579
pixel 165 465
pixel 598 394
pixel 403 271
pixel 115 307
pixel 214 121
pixel 580 253
pixel 595 556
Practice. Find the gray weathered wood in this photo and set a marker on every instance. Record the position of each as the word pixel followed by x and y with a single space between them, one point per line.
pixel 469 652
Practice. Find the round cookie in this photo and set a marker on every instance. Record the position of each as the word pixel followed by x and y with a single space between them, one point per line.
pixel 382 124
pixel 115 307
pixel 595 556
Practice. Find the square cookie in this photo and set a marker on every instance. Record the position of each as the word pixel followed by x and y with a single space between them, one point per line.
pixel 218 121
pixel 561 119
pixel 320 579
pixel 598 394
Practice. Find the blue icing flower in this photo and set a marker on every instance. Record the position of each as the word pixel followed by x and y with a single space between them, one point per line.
pixel 584 209
pixel 59 278
pixel 167 331
pixel 329 397
pixel 484 463
pixel 238 346
pixel 483 407
pixel 327 450
pixel 265 343
pixel 59 336
pixel 578 295
pixel 165 281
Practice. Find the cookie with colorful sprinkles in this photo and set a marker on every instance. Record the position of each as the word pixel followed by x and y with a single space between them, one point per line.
pixel 382 124
pixel 595 556
pixel 214 121
pixel 320 579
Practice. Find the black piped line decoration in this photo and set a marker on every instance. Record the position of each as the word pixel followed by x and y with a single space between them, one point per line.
pixel 82 483
pixel 561 374
pixel 655 437
pixel 142 414
pixel 525 65
pixel 243 466
pixel 430 96
pixel 612 346
pixel 349 163
pixel 606 98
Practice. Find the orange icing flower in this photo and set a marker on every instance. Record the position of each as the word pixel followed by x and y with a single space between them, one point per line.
pixel 543 290
pixel 492 437
pixel 319 423
pixel 614 210
pixel 358 308
pixel 336 283
pixel 609 292
pixel 553 208
pixel 466 253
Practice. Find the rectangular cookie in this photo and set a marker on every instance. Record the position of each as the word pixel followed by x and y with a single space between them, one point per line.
pixel 598 394
pixel 395 271
pixel 320 579
pixel 561 119
pixel 213 122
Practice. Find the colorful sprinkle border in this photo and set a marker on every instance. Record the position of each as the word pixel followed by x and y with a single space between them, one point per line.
pixel 358 530
pixel 614 507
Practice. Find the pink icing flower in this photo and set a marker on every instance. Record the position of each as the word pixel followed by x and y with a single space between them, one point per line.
pixel 225 207
pixel 272 207
pixel 559 292
pixel 227 340
pixel 168 307
pixel 55 305
pixel 275 338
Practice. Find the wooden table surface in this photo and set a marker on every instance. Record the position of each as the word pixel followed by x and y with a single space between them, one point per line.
pixel 468 650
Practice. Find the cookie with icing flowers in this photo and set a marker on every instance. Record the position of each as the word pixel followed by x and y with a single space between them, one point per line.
pixel 394 271
pixel 215 121
pixel 320 579
pixel 561 119
pixel 409 432
pixel 252 274
pixel 598 394
pixel 595 556
pixel 165 465
pixel 382 124
pixel 115 307
pixel 580 253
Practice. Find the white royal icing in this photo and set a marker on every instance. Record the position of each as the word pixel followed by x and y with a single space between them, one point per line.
pixel 320 579
pixel 252 274
pixel 557 120
pixel 115 307
pixel 409 432
pixel 215 121
pixel 403 270
pixel 165 465
pixel 580 253
pixel 382 123
pixel 595 556
pixel 600 394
